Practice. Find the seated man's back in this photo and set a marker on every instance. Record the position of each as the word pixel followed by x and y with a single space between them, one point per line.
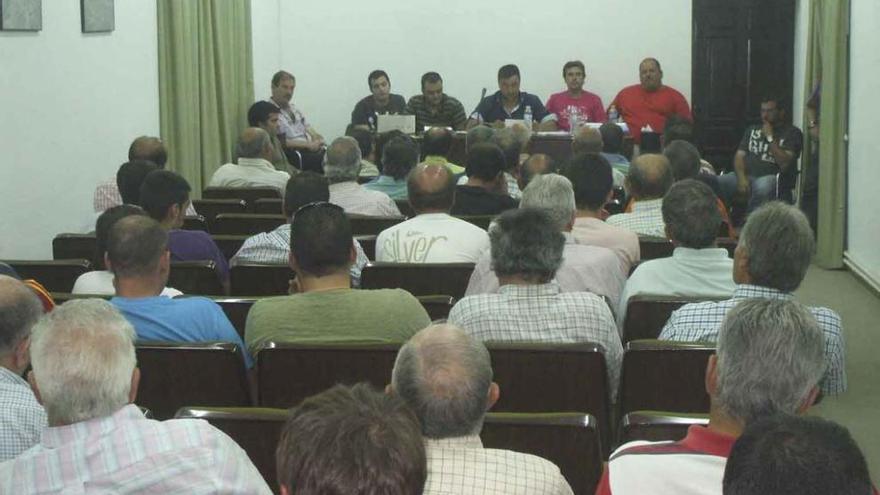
pixel 254 168
pixel 339 315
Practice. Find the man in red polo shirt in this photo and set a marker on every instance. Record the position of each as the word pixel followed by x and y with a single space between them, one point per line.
pixel 769 360
pixel 650 102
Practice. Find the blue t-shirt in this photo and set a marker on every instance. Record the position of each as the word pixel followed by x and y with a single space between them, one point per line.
pixel 185 319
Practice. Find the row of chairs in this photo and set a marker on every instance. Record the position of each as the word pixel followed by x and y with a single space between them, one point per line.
pixel 655 375
pixel 210 208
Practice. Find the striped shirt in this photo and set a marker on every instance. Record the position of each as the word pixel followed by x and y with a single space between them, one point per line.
pixel 107 196
pixel 357 200
pixel 22 418
pixel 450 113
pixel 646 218
pixel 127 453
pixel 700 322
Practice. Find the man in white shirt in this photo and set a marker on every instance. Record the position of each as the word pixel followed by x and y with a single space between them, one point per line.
pixel 342 163
pixel 697 267
pixel 446 378
pixel 85 375
pixel 254 168
pixel 584 268
pixel 22 418
pixel 649 177
pixel 433 236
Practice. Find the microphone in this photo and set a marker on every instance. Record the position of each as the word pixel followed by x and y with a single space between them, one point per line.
pixel 482 95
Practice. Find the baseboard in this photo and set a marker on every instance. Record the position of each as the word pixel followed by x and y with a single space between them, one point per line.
pixel 866 277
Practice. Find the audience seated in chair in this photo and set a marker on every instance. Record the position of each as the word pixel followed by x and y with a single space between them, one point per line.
pixel 273 248
pixel 254 167
pixel 697 267
pixel 770 262
pixel 793 455
pixel 649 177
pixel 485 191
pixel 684 158
pixel 513 142
pixel 527 249
pixel 341 166
pixel 352 440
pixel 436 143
pixel 399 156
pixel 101 281
pixel 84 373
pixel 137 254
pixel 446 378
pixel 22 418
pixel 612 147
pixel 584 268
pixel 536 164
pixel 165 198
pixel 590 176
pixel 433 236
pixel 769 360
pixel 326 309
pixel 266 115
pixel 367 145
pixel 589 140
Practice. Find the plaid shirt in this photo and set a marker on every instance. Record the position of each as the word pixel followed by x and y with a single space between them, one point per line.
pixel 22 418
pixel 699 322
pixel 450 114
pixel 461 466
pixel 542 313
pixel 127 453
pixel 357 200
pixel 646 218
pixel 107 196
pixel 273 248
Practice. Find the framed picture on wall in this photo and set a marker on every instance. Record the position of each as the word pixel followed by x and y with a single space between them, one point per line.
pixel 97 16
pixel 21 15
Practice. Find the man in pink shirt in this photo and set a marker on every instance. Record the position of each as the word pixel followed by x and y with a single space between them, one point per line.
pixel 575 100
pixel 649 103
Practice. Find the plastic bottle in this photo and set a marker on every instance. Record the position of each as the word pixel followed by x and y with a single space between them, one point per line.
pixel 613 115
pixel 527 117
pixel 574 119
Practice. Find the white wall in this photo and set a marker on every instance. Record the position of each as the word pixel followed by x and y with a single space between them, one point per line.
pixel 331 49
pixel 71 104
pixel 863 229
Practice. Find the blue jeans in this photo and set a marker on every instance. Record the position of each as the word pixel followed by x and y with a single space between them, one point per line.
pixel 762 188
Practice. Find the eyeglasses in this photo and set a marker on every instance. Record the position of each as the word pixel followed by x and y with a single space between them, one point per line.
pixel 316 204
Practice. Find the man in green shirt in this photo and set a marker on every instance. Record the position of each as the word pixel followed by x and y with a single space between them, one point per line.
pixel 325 308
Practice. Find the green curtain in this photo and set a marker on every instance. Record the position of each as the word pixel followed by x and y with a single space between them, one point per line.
pixel 206 83
pixel 828 61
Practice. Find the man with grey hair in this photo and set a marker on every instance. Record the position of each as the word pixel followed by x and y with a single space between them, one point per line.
pixel 769 360
pixel 84 373
pixel 342 163
pixel 527 251
pixel 478 134
pixel 697 267
pixel 647 181
pixel 445 377
pixel 22 418
pixel 770 262
pixel 254 168
pixel 593 269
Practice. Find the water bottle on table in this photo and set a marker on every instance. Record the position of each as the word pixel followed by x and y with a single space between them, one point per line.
pixel 613 114
pixel 527 117
pixel 574 119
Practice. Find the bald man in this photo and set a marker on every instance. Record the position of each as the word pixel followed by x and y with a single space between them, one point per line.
pixel 649 177
pixel 254 169
pixel 433 236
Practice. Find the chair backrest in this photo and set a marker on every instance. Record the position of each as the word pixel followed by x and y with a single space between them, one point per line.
pixel 210 208
pixel 553 378
pixel 195 277
pixel 255 430
pixel 437 307
pixel 251 279
pixel 363 225
pixel 368 244
pixel 727 243
pixel 74 246
pixel 657 426
pixel 481 221
pixel 646 314
pixel 557 147
pixel 249 194
pixel 174 375
pixel 196 222
pixel 246 223
pixel 664 376
pixel 54 275
pixel 288 373
pixel 655 247
pixel 569 440
pixel 63 297
pixel 405 208
pixel 229 244
pixel 272 206
pixel 236 309
pixel 419 279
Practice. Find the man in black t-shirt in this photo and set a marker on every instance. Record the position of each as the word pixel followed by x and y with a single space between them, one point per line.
pixel 767 149
pixel 485 192
pixel 510 103
pixel 382 101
